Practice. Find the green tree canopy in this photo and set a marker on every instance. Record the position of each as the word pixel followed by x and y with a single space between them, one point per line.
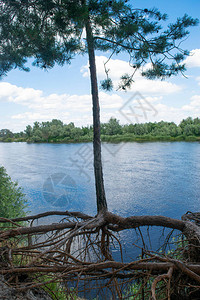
pixel 112 127
pixel 6 133
pixel 52 31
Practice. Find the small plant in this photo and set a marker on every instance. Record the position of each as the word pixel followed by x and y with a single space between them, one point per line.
pixel 12 199
pixel 179 247
pixel 57 290
pixel 141 287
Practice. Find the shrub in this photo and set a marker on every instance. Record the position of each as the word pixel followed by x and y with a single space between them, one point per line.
pixel 12 200
pixel 8 140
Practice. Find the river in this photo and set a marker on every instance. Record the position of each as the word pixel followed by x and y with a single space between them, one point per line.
pixel 159 178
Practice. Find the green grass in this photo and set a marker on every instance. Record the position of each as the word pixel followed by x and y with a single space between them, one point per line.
pixel 57 291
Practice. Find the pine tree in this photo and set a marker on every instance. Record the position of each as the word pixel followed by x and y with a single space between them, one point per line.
pixel 52 32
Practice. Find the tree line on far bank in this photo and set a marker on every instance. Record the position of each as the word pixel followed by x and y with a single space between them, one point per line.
pixel 56 131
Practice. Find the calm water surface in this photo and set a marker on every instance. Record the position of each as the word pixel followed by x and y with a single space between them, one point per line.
pixel 159 178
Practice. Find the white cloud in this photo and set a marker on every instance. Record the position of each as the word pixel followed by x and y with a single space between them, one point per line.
pixel 113 101
pixel 155 87
pixel 158 111
pixel 41 107
pixel 118 67
pixel 177 114
pixel 195 100
pixel 193 60
pixel 68 108
pixel 12 93
pixel 193 108
pixel 164 112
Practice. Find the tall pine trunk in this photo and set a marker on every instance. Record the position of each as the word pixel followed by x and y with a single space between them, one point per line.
pixel 100 191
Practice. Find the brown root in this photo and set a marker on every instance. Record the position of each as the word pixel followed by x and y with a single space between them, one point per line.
pixel 76 253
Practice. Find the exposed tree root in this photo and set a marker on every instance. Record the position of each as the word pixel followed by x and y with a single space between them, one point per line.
pixel 159 278
pixel 77 253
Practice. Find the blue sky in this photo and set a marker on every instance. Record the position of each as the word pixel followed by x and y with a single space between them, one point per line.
pixel 64 93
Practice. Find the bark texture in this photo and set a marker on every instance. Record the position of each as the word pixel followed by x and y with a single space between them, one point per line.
pixel 100 191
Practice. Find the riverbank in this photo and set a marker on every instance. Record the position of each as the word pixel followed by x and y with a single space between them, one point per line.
pixel 119 138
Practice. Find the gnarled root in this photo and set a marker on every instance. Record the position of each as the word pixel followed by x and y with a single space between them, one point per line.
pixel 77 250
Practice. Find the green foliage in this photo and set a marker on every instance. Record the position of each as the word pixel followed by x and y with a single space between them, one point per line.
pixel 56 131
pixel 179 248
pixel 52 33
pixel 107 85
pixel 135 290
pixel 28 131
pixel 12 200
pixel 57 290
pixel 126 82
pixel 6 134
pixel 112 127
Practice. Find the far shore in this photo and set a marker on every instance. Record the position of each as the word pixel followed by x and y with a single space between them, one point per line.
pixel 109 139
